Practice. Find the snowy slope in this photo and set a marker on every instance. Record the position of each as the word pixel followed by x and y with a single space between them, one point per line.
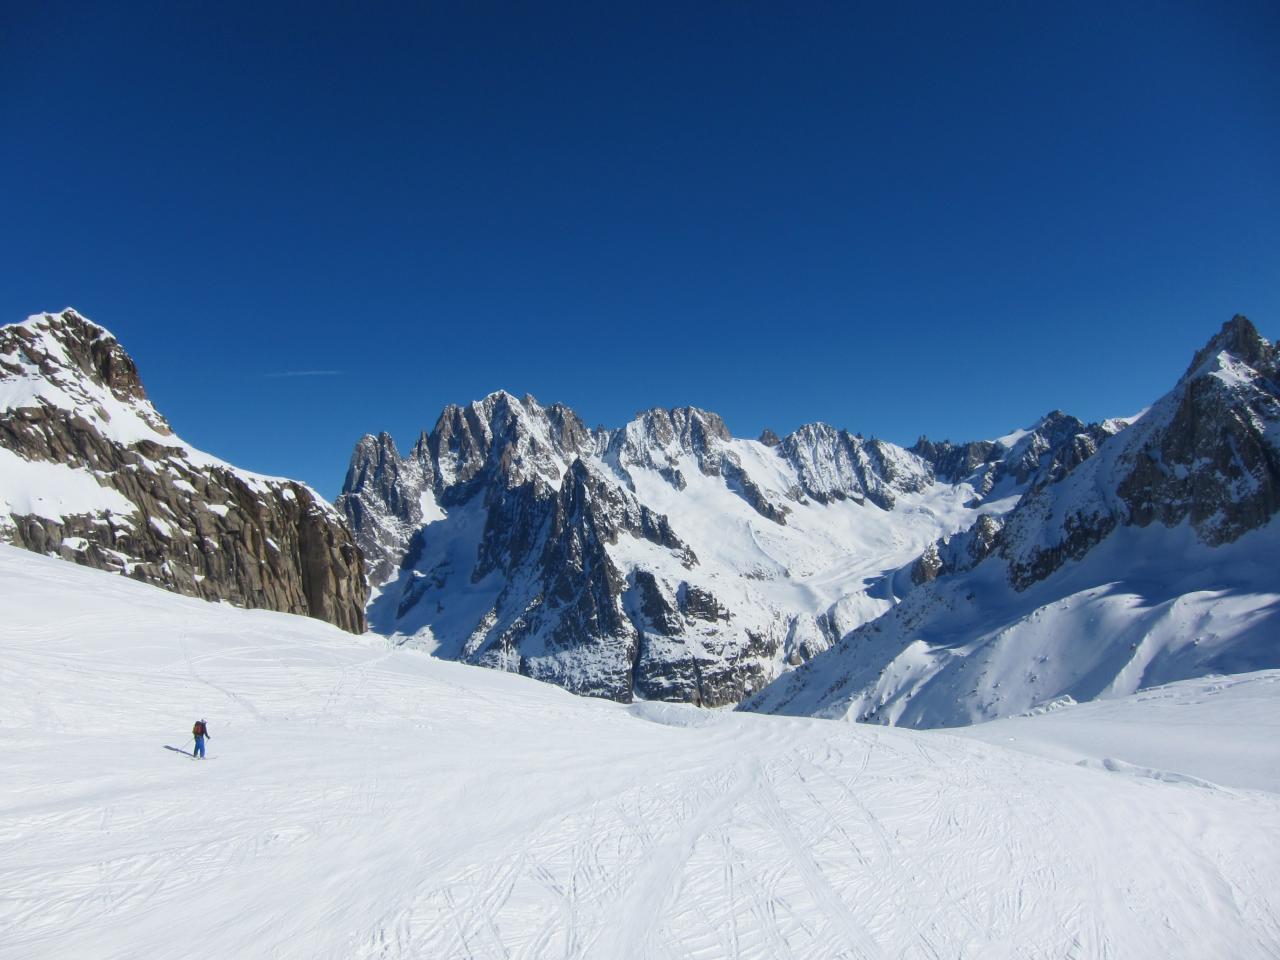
pixel 364 800
pixel 1225 729
pixel 1146 607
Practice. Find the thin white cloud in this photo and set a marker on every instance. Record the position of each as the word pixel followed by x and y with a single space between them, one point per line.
pixel 304 373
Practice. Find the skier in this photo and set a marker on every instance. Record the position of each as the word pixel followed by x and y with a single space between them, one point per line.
pixel 200 731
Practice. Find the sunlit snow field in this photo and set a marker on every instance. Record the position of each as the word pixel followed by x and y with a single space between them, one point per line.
pixel 366 801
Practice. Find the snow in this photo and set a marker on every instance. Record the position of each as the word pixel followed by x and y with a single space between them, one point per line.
pixel 53 491
pixel 365 800
pixel 431 511
pixel 826 555
pixel 1137 607
pixel 1009 440
pixel 1224 729
pixel 1147 606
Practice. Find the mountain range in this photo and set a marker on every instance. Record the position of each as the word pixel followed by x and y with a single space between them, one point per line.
pixel 822 572
pixel 664 559
pixel 1152 560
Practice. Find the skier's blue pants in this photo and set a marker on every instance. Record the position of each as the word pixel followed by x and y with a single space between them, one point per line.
pixel 199 750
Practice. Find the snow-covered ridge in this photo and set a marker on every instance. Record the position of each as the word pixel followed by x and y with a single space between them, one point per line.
pixel 95 474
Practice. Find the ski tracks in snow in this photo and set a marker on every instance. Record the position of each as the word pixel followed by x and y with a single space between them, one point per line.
pixel 375 803
pixel 802 850
pixel 772 856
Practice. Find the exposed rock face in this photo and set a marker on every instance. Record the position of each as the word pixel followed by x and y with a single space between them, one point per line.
pixel 504 440
pixel 384 499
pixel 834 465
pixel 1022 464
pixel 1217 463
pixel 94 474
pixel 1141 552
pixel 550 501
pixel 1202 453
pixel 664 559
pixel 954 461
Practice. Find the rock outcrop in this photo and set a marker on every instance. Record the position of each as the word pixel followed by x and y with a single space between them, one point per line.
pixel 94 474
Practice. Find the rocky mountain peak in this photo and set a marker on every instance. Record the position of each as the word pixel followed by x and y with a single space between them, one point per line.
pixel 82 362
pixel 617 563
pixel 519 440
pixel 836 465
pixel 688 429
pixel 550 549
pixel 1047 450
pixel 957 461
pixel 657 439
pixel 375 464
pixel 1211 451
pixel 568 432
pixel 69 340
pixel 422 447
pixel 1207 453
pixel 1042 453
pixel 1240 338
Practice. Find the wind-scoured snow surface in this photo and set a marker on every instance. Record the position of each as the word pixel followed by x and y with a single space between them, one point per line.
pixel 363 800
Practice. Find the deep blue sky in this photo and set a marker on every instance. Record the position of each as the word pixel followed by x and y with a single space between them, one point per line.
pixel 895 218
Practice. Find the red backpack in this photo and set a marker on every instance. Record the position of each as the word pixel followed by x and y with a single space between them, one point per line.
pixel 198 729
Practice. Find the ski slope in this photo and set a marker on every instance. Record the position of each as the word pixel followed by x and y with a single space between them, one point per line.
pixel 367 801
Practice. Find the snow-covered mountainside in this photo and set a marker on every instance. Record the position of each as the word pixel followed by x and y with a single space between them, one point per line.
pixel 1152 560
pixel 664 560
pixel 91 472
pixel 363 800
